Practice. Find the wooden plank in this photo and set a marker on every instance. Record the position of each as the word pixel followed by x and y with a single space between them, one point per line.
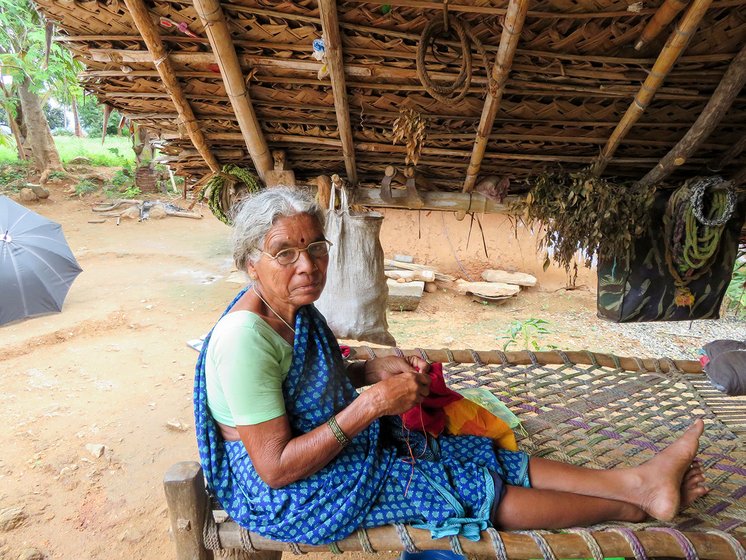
pixel 184 486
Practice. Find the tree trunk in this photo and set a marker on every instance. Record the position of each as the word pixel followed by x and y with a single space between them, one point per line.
pixel 16 130
pixel 38 135
pixel 141 146
pixel 76 118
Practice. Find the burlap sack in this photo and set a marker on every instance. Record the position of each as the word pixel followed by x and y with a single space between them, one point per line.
pixel 354 299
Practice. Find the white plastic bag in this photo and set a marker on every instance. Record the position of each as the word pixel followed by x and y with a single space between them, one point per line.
pixel 355 297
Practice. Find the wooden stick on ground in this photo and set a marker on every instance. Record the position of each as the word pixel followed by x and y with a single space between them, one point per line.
pixel 333 49
pixel 720 102
pixel 670 53
pixel 144 23
pixel 217 32
pixel 504 60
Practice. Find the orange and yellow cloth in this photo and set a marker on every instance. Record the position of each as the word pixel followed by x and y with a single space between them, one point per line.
pixel 445 409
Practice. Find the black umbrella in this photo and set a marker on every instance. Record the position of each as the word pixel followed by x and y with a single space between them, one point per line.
pixel 37 266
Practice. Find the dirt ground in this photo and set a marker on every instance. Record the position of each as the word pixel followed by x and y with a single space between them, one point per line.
pixel 113 369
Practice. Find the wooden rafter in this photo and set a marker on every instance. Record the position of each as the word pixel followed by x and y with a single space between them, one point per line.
pixel 511 33
pixel 335 63
pixel 729 87
pixel 662 17
pixel 670 53
pixel 109 55
pixel 220 39
pixel 149 32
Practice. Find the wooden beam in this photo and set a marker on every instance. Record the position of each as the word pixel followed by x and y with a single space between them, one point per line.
pixel 147 28
pixel 662 17
pixel 437 200
pixel 360 70
pixel 335 63
pixel 216 29
pixel 729 87
pixel 458 7
pixel 512 26
pixel 670 53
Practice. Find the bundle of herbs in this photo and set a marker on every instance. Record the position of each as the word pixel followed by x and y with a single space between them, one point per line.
pixel 581 212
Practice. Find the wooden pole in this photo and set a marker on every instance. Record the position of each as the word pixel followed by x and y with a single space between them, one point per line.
pixel 221 42
pixel 333 50
pixel 662 17
pixel 721 100
pixel 518 546
pixel 511 33
pixel 523 358
pixel 149 32
pixel 437 200
pixel 670 53
pixel 184 486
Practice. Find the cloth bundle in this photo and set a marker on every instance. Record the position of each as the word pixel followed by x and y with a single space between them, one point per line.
pixel 446 410
pixel 724 362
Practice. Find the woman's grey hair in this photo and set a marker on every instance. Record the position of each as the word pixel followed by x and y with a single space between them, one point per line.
pixel 255 216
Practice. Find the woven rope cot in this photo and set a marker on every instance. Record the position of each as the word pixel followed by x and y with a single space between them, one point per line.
pixel 595 410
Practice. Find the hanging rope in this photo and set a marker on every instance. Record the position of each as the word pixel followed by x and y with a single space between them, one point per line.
pixel 440 28
pixel 693 232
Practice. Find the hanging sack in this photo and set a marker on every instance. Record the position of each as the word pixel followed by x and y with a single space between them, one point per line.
pixel 682 265
pixel 354 299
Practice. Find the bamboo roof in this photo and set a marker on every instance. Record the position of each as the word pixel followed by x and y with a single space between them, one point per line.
pixel 558 93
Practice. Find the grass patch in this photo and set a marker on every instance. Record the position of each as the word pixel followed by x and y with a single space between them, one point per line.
pixel 116 151
pixel 13 176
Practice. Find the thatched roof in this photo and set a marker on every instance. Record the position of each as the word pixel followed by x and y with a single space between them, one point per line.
pixel 572 75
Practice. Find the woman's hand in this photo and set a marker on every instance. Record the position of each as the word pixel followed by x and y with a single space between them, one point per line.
pixel 399 392
pixel 380 369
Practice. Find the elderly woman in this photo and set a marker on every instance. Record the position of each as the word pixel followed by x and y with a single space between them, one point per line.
pixel 293 452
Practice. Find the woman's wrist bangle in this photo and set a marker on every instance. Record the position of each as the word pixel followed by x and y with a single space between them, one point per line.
pixel 342 439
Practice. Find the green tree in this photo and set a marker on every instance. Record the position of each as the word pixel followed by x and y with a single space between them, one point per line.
pixel 92 118
pixel 37 69
pixel 55 116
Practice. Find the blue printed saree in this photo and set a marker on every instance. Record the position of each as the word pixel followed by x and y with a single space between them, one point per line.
pixel 448 489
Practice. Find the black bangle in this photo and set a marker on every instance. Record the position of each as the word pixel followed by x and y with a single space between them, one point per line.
pixel 342 439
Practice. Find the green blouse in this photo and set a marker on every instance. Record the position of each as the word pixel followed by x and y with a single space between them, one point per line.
pixel 247 361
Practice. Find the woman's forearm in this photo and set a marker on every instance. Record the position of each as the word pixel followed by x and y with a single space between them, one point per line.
pixel 306 454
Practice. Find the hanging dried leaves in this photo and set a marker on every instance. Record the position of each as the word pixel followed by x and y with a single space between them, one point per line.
pixel 580 212
pixel 410 127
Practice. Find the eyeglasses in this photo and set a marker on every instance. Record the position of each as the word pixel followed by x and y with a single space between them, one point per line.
pixel 316 250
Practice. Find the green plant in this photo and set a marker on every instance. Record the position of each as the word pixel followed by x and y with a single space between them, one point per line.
pixel 526 334
pixel 131 192
pixel 55 175
pixel 86 186
pixel 13 176
pixel 123 178
pixel 581 212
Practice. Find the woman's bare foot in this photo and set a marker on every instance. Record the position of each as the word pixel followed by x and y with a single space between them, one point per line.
pixel 693 486
pixel 661 486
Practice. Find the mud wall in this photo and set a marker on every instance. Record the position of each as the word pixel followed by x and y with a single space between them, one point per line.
pixel 440 240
